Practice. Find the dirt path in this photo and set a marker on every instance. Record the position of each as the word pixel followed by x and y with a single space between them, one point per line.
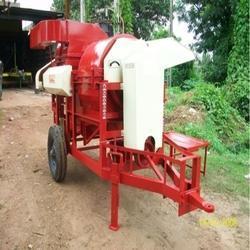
pixel 37 213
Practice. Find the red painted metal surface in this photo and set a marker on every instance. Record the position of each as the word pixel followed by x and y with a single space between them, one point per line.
pixel 187 143
pixel 71 38
pixel 93 121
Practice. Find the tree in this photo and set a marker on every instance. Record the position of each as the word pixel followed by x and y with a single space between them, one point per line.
pixel 238 66
pixel 148 15
pixel 140 17
pixel 127 15
pixel 212 23
pixel 74 10
pixel 100 10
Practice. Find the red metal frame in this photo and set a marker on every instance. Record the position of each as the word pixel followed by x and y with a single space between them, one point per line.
pixel 94 113
pixel 187 143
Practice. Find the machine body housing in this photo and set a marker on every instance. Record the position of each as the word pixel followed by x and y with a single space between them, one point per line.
pixel 108 96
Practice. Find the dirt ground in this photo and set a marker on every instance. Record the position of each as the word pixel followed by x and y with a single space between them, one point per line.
pixel 37 213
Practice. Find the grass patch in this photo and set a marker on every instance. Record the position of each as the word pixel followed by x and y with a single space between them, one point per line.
pixel 225 174
pixel 175 98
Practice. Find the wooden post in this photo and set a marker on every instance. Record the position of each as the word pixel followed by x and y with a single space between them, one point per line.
pixel 171 35
pixel 67 9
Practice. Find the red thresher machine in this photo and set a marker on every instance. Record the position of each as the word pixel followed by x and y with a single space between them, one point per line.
pixel 108 98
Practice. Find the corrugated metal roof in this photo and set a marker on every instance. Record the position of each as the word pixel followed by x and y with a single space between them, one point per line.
pixel 16 13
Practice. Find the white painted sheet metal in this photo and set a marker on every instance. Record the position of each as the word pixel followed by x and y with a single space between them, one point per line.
pixel 170 52
pixel 122 48
pixel 57 80
pixel 142 73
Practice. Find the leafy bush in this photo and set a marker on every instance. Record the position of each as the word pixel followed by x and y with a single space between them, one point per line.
pixel 206 131
pixel 229 125
pixel 188 84
pixel 175 97
pixel 222 125
pixel 195 77
pixel 181 73
pixel 238 96
pixel 210 65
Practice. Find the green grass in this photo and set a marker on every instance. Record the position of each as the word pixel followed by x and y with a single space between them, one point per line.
pixel 175 97
pixel 225 174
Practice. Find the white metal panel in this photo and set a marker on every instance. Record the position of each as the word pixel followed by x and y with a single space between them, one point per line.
pixel 143 99
pixel 38 82
pixel 170 53
pixel 57 80
pixel 142 73
pixel 121 49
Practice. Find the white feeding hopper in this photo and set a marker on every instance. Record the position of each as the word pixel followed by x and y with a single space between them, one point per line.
pixel 142 66
pixel 170 52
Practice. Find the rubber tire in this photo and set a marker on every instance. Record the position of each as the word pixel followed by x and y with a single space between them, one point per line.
pixel 57 153
pixel 140 159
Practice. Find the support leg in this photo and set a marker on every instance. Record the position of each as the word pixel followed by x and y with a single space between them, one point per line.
pixel 205 162
pixel 114 207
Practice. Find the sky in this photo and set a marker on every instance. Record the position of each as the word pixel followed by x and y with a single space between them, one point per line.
pixel 36 4
pixel 180 28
